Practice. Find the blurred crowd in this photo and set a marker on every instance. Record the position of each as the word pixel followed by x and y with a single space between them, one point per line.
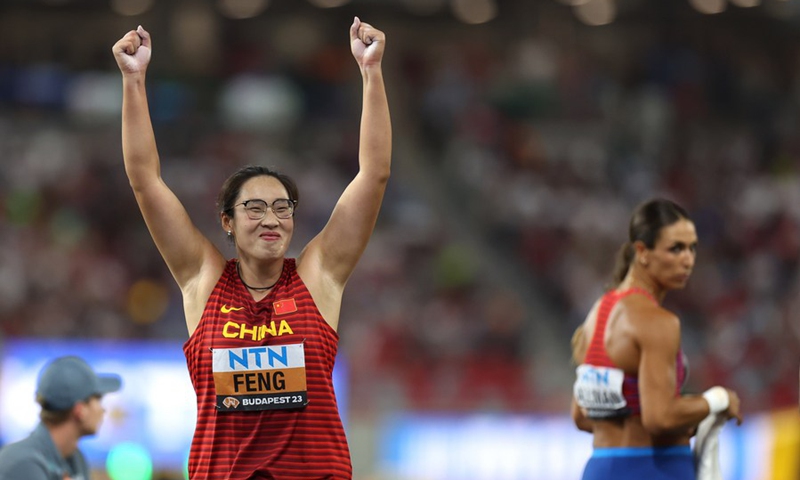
pixel 517 164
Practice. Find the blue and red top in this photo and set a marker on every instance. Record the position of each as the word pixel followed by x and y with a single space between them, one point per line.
pixel 596 354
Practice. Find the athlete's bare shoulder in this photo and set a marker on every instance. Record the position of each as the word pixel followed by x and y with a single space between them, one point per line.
pixel 643 307
pixel 649 321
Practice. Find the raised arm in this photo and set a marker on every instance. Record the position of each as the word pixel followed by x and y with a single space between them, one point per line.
pixel 185 250
pixel 336 250
pixel 664 412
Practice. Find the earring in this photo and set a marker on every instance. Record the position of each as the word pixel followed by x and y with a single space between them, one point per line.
pixel 230 235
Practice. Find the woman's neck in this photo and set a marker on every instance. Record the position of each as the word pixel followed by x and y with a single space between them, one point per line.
pixel 259 279
pixel 638 279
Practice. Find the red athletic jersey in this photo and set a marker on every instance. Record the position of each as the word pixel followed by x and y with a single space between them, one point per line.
pixel 297 443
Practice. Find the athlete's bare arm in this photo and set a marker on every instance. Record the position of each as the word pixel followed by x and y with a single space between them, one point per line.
pixel 579 417
pixel 193 260
pixel 579 345
pixel 328 260
pixel 657 333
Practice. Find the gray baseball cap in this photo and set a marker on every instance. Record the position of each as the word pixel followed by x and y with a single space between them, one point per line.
pixel 65 381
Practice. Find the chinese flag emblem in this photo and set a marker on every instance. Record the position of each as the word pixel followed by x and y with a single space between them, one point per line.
pixel 282 307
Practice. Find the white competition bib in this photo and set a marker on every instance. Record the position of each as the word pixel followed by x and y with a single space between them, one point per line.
pixel 599 388
pixel 260 378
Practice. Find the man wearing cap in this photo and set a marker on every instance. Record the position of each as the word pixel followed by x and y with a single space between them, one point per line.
pixel 69 392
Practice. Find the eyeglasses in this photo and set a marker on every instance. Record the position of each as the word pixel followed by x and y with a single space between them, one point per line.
pixel 256 209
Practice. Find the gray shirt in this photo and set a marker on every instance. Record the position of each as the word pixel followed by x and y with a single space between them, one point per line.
pixel 36 458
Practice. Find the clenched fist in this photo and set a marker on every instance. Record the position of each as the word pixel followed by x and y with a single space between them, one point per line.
pixel 132 52
pixel 366 43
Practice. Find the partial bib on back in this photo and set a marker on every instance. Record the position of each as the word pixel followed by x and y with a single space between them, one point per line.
pixel 599 391
pixel 603 389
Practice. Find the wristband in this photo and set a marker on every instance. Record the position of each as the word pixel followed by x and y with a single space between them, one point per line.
pixel 717 398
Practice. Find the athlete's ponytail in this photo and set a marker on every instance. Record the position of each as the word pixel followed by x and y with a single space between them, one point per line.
pixel 624 258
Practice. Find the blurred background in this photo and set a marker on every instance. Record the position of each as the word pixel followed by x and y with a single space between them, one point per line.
pixel 525 132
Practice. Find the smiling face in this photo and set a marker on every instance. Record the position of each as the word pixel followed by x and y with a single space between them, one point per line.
pixel 671 260
pixel 265 238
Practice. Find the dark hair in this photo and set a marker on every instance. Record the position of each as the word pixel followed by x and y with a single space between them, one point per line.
pixel 646 223
pixel 233 185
